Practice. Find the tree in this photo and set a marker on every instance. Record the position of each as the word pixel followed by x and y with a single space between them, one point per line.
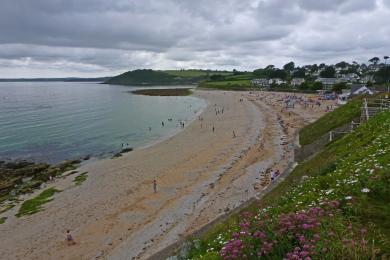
pixel 317 86
pixel 374 60
pixel 322 65
pixel 299 73
pixel 304 85
pixel 289 66
pixel 339 87
pixel 342 65
pixel 382 75
pixel 328 72
pixel 278 73
pixel 314 68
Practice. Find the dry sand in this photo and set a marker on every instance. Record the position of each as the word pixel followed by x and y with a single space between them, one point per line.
pixel 201 174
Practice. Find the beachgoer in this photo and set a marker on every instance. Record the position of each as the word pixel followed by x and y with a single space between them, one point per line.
pixel 69 238
pixel 213 129
pixel 234 134
pixel 155 186
pixel 272 176
pixel 162 123
pixel 150 129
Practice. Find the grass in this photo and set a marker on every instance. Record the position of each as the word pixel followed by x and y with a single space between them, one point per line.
pixel 227 84
pixel 190 73
pixel 2 220
pixel 340 116
pixel 78 180
pixel 353 171
pixel 34 205
pixel 163 92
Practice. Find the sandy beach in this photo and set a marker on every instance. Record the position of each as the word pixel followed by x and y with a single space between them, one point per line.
pixel 201 174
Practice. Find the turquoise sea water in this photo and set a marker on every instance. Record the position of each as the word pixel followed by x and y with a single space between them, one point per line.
pixel 54 121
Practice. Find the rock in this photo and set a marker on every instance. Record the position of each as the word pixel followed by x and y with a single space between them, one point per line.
pixel 227 209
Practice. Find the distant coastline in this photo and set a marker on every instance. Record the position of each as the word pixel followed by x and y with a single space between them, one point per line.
pixel 71 79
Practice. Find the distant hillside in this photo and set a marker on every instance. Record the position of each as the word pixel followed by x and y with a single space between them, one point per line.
pixel 102 79
pixel 157 77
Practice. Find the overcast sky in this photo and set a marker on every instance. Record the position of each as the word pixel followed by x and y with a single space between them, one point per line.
pixel 55 38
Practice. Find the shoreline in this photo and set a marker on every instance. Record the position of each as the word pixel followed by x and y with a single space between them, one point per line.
pixel 200 174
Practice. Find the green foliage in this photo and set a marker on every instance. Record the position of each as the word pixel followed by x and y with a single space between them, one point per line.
pixel 34 205
pixel 316 86
pixel 338 87
pixel 374 60
pixel 299 73
pixel 2 220
pixel 382 75
pixel 328 72
pixel 338 117
pixel 217 77
pixel 342 64
pixel 289 66
pixel 78 180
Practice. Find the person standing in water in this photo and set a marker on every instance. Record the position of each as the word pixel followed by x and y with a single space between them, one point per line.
pixel 155 186
pixel 162 123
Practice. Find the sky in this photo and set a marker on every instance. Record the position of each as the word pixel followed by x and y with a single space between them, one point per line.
pixel 90 38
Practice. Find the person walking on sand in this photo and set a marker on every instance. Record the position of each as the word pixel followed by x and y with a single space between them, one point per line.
pixel 234 134
pixel 213 129
pixel 69 238
pixel 155 186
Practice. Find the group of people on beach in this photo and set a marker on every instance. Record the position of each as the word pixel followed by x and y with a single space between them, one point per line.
pixel 274 174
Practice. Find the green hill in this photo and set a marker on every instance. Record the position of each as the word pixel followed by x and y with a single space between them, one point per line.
pixel 159 77
pixel 143 77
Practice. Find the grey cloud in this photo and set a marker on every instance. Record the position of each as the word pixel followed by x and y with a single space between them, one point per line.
pixel 343 6
pixel 106 36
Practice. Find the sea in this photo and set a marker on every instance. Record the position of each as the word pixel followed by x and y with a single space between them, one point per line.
pixel 56 121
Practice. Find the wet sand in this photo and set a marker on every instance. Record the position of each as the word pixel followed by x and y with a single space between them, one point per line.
pixel 200 175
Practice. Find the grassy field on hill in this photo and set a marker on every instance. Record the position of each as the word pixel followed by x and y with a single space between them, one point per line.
pixel 164 77
pixel 334 206
pixel 240 81
pixel 191 73
pixel 338 117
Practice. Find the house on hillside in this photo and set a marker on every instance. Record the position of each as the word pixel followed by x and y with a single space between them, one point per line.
pixel 297 81
pixel 367 78
pixel 328 83
pixel 277 81
pixel 361 90
pixel 261 82
pixel 348 78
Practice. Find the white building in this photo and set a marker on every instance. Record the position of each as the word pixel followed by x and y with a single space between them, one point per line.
pixel 261 82
pixel 361 90
pixel 328 83
pixel 277 81
pixel 297 81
